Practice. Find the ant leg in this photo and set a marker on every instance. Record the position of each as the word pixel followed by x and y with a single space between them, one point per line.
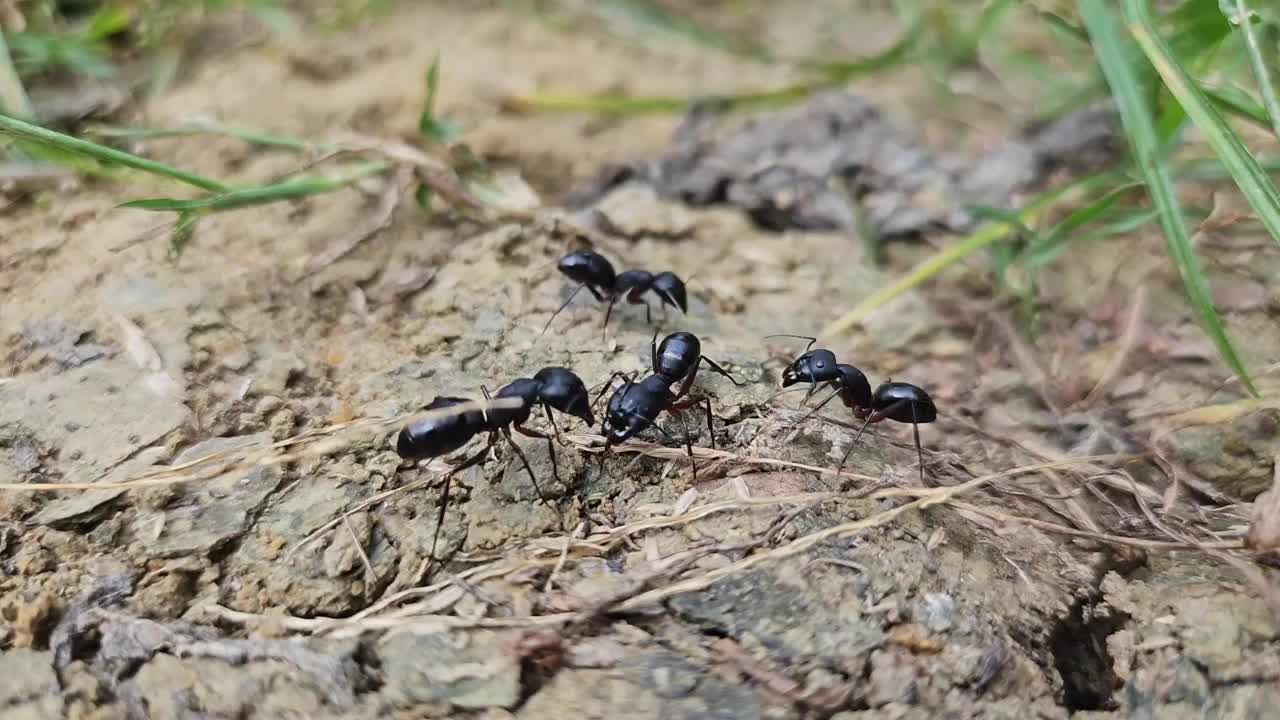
pixel 444 493
pixel 537 488
pixel 812 412
pixel 555 428
pixel 616 374
pixel 551 446
pixel 688 445
pixel 813 388
pixel 688 383
pixel 716 367
pixel 565 304
pixel 653 349
pixel 648 313
pixel 875 416
pixel 915 428
pixel 484 412
pixel 608 311
pixel 711 433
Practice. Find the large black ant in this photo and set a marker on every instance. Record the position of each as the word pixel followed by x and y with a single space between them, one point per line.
pixel 594 272
pixel 552 388
pixel 898 401
pixel 635 406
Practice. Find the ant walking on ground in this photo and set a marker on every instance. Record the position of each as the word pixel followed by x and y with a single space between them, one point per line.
pixel 552 387
pixel 635 406
pixel 897 401
pixel 594 272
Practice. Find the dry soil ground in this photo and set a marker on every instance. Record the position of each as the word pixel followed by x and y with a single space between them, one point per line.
pixel 282 592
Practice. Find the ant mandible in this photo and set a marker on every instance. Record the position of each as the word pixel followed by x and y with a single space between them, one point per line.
pixel 594 272
pixel 552 387
pixel 636 406
pixel 897 401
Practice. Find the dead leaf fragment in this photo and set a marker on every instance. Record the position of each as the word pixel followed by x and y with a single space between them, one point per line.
pixel 914 638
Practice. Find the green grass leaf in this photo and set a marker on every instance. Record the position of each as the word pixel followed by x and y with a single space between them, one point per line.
pixel 649 16
pixel 1123 78
pixel 1249 176
pixel 1238 13
pixel 28 134
pixel 290 189
pixel 430 126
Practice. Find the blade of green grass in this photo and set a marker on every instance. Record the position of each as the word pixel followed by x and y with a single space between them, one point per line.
pixel 287 190
pixel 845 70
pixel 657 19
pixel 1237 102
pixel 429 125
pixel 609 104
pixel 248 135
pixel 982 237
pixel 24 132
pixel 1212 170
pixel 1249 176
pixel 1243 19
pixel 834 73
pixel 1052 243
pixel 13 96
pixel 1136 118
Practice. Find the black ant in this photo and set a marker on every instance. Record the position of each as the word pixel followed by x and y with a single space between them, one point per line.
pixel 898 401
pixel 594 272
pixel 636 405
pixel 552 388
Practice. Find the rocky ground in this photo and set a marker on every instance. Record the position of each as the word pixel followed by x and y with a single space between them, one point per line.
pixel 297 587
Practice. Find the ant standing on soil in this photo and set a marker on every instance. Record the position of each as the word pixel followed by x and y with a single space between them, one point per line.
pixel 594 272
pixel 897 401
pixel 552 387
pixel 636 405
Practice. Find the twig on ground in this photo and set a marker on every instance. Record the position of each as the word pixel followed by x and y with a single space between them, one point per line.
pixel 1102 537
pixel 364 557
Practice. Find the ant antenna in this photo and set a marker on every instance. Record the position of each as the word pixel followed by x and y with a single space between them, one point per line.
pixel 563 305
pixel 811 340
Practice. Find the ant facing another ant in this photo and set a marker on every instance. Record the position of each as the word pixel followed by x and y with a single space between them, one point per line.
pixel 897 401
pixel 552 387
pixel 635 406
pixel 594 272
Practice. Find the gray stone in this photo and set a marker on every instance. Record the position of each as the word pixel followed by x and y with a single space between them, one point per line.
pixel 468 671
pixel 206 516
pixel 26 675
pixel 939 608
pixel 95 416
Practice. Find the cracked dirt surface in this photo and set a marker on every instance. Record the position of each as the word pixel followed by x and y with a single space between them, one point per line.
pixel 214 598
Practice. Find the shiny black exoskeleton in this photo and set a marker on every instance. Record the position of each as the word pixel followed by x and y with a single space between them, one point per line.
pixel 677 359
pixel 636 405
pixel 819 367
pixel 594 272
pixel 554 388
pixel 900 402
pixel 897 401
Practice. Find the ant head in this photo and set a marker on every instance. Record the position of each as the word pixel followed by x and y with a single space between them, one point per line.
pixel 815 366
pixel 588 268
pixel 618 424
pixel 565 391
pixel 672 291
